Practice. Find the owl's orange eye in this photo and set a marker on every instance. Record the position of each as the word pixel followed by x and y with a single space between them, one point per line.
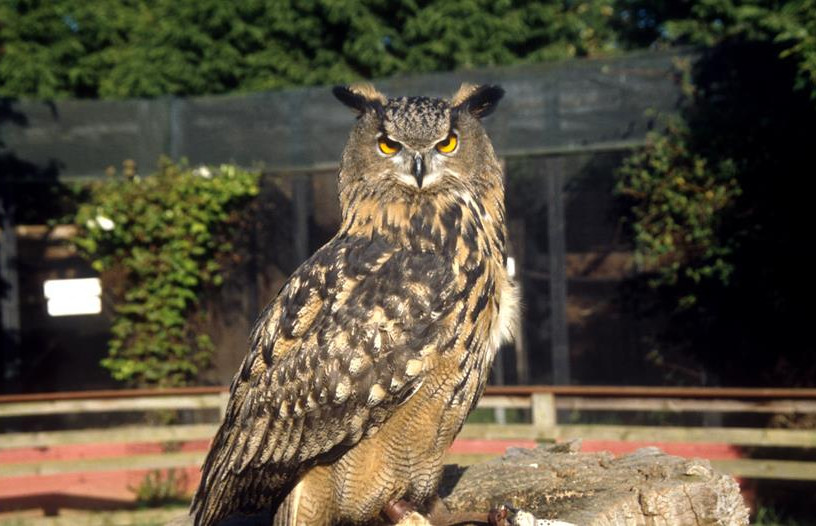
pixel 448 145
pixel 387 146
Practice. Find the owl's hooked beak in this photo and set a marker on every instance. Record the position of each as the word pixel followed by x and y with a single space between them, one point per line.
pixel 418 169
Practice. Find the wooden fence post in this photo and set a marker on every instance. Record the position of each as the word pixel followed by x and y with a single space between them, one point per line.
pixel 544 414
pixel 557 256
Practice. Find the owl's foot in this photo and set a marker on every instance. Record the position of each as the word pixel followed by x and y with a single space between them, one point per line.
pixel 498 517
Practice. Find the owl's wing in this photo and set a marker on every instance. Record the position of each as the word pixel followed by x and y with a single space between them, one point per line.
pixel 347 340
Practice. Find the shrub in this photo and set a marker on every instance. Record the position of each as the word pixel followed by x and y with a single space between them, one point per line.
pixel 678 198
pixel 159 242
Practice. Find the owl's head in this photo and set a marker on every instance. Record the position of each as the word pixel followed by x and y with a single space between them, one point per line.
pixel 409 147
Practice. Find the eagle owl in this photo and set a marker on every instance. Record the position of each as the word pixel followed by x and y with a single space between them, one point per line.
pixel 363 369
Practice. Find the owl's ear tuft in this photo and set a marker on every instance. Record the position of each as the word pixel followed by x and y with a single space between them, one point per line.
pixel 359 97
pixel 479 101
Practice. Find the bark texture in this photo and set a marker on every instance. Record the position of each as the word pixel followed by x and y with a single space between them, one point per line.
pixel 647 487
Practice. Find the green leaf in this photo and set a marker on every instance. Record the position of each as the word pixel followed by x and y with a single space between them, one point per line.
pixel 161 247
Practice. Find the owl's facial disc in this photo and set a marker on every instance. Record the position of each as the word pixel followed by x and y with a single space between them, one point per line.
pixel 419 170
pixel 419 167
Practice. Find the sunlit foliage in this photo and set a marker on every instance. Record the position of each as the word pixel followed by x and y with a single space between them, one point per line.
pixel 159 242
pixel 148 48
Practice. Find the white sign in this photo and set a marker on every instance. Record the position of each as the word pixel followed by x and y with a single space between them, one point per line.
pixel 71 297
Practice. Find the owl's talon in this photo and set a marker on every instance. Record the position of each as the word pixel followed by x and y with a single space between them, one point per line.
pixel 498 516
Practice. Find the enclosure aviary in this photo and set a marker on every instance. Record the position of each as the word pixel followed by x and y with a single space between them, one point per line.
pixel 363 369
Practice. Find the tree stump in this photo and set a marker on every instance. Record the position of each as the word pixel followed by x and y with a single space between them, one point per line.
pixel 556 482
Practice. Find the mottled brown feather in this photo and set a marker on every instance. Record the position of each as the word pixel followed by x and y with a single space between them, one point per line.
pixel 386 332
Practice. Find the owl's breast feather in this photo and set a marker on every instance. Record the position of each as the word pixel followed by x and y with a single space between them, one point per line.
pixel 505 321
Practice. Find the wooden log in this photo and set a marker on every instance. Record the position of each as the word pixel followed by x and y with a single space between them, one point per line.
pixel 557 482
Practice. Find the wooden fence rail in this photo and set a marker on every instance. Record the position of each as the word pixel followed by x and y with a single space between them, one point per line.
pixel 543 403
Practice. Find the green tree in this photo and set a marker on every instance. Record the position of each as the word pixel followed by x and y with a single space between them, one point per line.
pixel 790 24
pixel 679 198
pixel 148 48
pixel 720 197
